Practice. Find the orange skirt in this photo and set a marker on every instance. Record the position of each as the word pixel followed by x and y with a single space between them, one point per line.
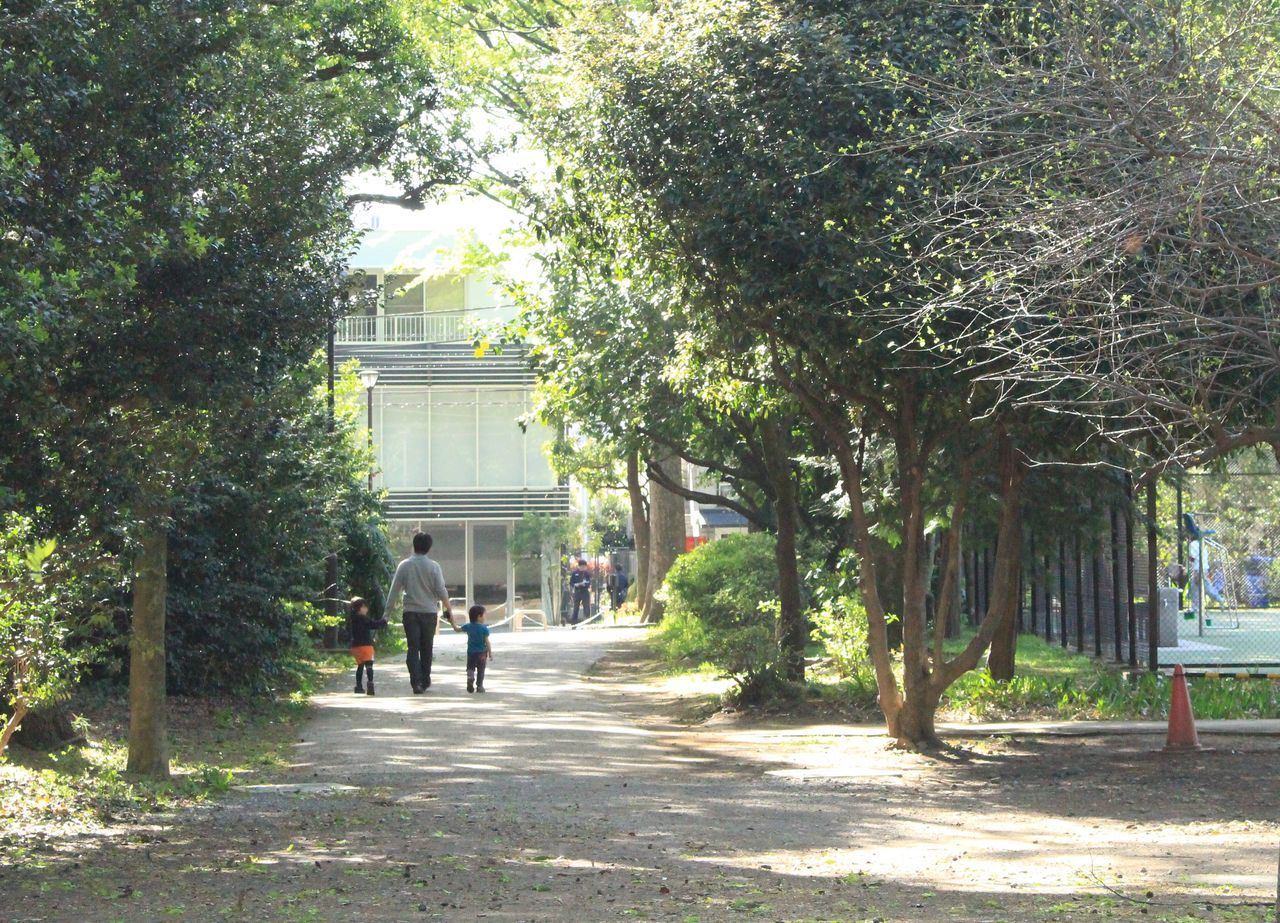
pixel 363 653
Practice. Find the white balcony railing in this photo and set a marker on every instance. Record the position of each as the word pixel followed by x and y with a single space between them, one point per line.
pixel 427 327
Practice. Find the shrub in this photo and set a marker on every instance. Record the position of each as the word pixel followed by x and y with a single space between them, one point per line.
pixel 840 624
pixel 728 590
pixel 36 666
pixel 681 637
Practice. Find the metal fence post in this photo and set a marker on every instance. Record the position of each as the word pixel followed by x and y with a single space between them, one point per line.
pixel 1078 574
pixel 1048 601
pixel 1128 555
pixel 1116 627
pixel 1153 582
pixel 1062 590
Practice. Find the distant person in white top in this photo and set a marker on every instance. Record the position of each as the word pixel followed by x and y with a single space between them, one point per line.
pixel 421 581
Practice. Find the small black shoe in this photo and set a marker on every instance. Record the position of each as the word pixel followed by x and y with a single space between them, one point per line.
pixel 417 690
pixel 370 689
pixel 471 687
pixel 479 688
pixel 359 689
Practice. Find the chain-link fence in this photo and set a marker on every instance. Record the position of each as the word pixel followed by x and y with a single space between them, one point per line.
pixel 1228 544
pixel 1204 548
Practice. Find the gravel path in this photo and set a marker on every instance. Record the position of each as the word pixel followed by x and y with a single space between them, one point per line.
pixel 562 795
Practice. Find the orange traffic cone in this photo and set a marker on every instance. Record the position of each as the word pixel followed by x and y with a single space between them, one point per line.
pixel 1182 722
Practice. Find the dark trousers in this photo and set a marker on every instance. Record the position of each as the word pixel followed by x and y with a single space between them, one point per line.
pixel 475 666
pixel 581 597
pixel 420 634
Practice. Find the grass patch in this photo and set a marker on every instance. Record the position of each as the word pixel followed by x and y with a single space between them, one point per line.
pixel 214 743
pixel 1057 684
pixel 1052 684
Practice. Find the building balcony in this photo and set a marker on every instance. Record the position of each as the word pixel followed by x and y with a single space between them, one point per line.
pixel 421 327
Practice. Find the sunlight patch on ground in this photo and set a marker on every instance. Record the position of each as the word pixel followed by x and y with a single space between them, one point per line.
pixel 1032 854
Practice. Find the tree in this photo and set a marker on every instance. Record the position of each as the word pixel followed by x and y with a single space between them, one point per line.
pixel 1115 218
pixel 721 146
pixel 199 154
pixel 660 397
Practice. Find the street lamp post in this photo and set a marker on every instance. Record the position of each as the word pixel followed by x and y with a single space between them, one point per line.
pixel 369 378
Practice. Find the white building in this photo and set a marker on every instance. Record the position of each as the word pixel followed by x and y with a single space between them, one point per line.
pixel 456 452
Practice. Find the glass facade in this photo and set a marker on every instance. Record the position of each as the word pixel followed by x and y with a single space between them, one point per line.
pixel 457 437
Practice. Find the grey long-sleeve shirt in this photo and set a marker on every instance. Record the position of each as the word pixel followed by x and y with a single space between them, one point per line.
pixel 422 582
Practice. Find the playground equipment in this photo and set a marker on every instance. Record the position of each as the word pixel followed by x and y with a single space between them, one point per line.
pixel 1215 573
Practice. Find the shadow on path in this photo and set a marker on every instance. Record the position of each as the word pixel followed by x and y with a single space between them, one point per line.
pixel 544 799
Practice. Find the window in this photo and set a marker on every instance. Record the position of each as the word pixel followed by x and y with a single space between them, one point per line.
pixel 403 296
pixel 458 438
pixel 445 293
pixel 501 439
pixel 402 438
pixel 453 437
pixel 362 289
pixel 538 471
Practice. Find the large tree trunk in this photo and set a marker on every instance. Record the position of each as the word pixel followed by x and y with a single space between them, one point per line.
pixel 640 529
pixel 666 532
pixel 148 744
pixel 911 722
pixel 914 724
pixel 792 632
pixel 1002 661
pixel 851 468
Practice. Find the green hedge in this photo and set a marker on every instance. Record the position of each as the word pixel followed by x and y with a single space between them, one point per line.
pixel 721 604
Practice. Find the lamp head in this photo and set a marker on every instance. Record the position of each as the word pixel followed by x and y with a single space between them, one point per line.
pixel 368 377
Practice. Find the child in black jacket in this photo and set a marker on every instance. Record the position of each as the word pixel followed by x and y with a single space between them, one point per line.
pixel 362 627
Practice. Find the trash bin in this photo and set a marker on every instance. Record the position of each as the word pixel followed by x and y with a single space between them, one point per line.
pixel 1167 617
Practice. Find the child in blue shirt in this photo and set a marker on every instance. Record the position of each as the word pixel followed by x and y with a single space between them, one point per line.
pixel 479 652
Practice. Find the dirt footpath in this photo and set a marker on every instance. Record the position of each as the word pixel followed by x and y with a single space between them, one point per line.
pixel 564 796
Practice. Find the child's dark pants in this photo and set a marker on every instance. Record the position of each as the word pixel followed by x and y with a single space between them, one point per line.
pixel 475 667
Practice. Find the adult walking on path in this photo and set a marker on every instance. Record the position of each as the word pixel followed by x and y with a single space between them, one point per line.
pixel 421 582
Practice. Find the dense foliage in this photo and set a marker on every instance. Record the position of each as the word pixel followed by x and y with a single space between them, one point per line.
pixel 722 607
pixel 173 235
pixel 247 546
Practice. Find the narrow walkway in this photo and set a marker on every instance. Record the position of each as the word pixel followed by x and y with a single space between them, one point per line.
pixel 542 800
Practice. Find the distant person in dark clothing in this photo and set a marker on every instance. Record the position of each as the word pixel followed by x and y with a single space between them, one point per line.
pixel 421 582
pixel 580 585
pixel 362 628
pixel 620 584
